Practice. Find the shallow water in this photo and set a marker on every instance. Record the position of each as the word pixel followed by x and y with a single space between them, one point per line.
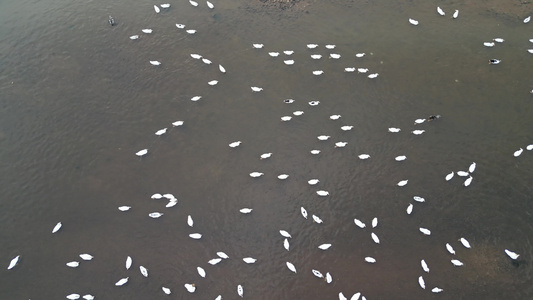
pixel 79 98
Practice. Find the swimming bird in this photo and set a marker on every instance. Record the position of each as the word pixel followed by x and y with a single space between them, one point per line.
pixel 191 31
pixel 314 103
pixel 134 37
pixel 196 98
pixel 402 182
pixel 165 5
pixel 440 11
pixel 455 14
pixel 335 117
pixel 286 244
pixel 518 152
pixel 364 156
pixel 240 290
pixel 249 260
pixel 329 279
pixel 190 221
pixel 324 246
pixel 316 56
pixel 57 227
pixel 375 222
pixel 494 61
pixel 450 249
pixel 315 152
pixel 206 61
pixel 193 3
pixel 291 267
pixel 256 174
pixel 288 52
pixel 360 55
pixel 409 208
pixel 372 76
pixel 111 21
pixel 359 223
pixel 421 282
pixel 330 46
pixel 334 55
pixel 304 212
pixel 419 199
pixel 530 50
pixel 425 231
pixel 161 131
pixel 222 255
pixel 457 263
pixel 213 82
pixel 73 264
pixel 488 44
pixel 155 215
pixel 449 176
pixel 340 144
pixel 13 262
pixel 462 173
pixel 86 256
pixel 201 271
pixel 511 254
pixel 166 290
pixel 394 129
pixel 196 56
pixel 256 89
pixel 235 144
pixel 257 46
pixel 498 40
pixel 285 234
pixel 286 118
pixel 283 176
pixel 180 26
pixel 374 238
pixel 468 181
pixel 273 54
pixel 433 117
pixel 210 5
pixel 124 208
pixel 298 113
pixel 424 266
pixel 400 158
pixel 246 210
pixel 322 193
pixel 221 68
pixel 323 137
pixel 156 8
pixel 362 70
pixel 171 203
pixel 317 273
pixel 312 46
pixel 88 297
pixel 73 296
pixel 348 69
pixel 413 21
pixel 169 196
pixel 195 236
pixel 289 62
pixel 122 281
pixel 155 62
pixel 313 181
pixel 128 262
pixel 420 121
pixel 144 271
pixel 465 242
pixel 317 219
pixel 529 147
pixel 177 123
pixel 369 259
pixel 190 287
pixel 418 132
pixel 318 72
pixel 147 30
pixel 346 128
pixel 437 290
pixel 526 20
pixel 214 261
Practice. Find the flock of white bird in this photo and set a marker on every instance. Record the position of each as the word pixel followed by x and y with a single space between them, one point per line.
pixel 172 200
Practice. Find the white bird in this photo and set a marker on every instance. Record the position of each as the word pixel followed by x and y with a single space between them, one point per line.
pixel 195 236
pixel 206 61
pixel 465 242
pixel 256 89
pixel 421 282
pixel 312 46
pixel 144 271
pixel 283 176
pixel 362 70
pixel 240 290
pixel 334 55
pixel 419 199
pixel 142 152
pixel 256 174
pixel 317 219
pixel 314 103
pixel 400 158
pixel 455 14
pixel 529 147
pixel 424 266
pixel 437 290
pixel 196 56
pixel 155 62
pixel 155 215
pixel 210 5
pixel 298 113
pixel 359 223
pixel 193 3
pixel 468 181
pixel 462 173
pixel 346 128
pixel 323 137
pixel 258 46
pixel 288 101
pixel 450 249
pixel 88 297
pixel 180 26
pixel 273 54
pixel 413 21
pixel 214 261
pixel 373 75
pixel 166 5
pixel 191 31
pixel 246 210
pixel 86 256
pixel 317 273
pixel 488 44
pixel 340 144
pixel 134 37
pixel 318 72
pixel 190 287
pixel 147 30
pixel 394 129
pixel 177 123
pixel 456 263
pixel 530 50
pixel 288 52
pixel 286 118
pixel 330 46
pixel 374 238
pixel 73 296
pixel 518 152
pixel 156 8
pixel 213 82
pixel 289 62
pixel 335 117
pixel 418 132
pixel 360 54
pixel 410 208
pixel 316 56
pixel 222 255
pixel 161 131
pixel 304 212
pixel 122 281
pixel 73 264
pixel 235 144
pixel 291 267
pixel 156 196
pixel 449 176
pixel 265 155
pixel 498 40
pixel 315 152
pixel 511 254
pixel 190 222
pixel 166 290
pixel 364 156
pixel 526 20
pixel 440 11
pixel 313 181
pixel 324 246
pixel 201 271
pixel 348 69
pixel 285 234
pixel 57 227
pixel 249 260
pixel 328 278
pixel 419 121
pixel 375 222
pixel 425 231
pixel 221 68
pixel 369 259
pixel 169 196
pixel 286 244
pixel 342 297
pixel 402 183
pixel 322 193
pixel 128 262
pixel 171 203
